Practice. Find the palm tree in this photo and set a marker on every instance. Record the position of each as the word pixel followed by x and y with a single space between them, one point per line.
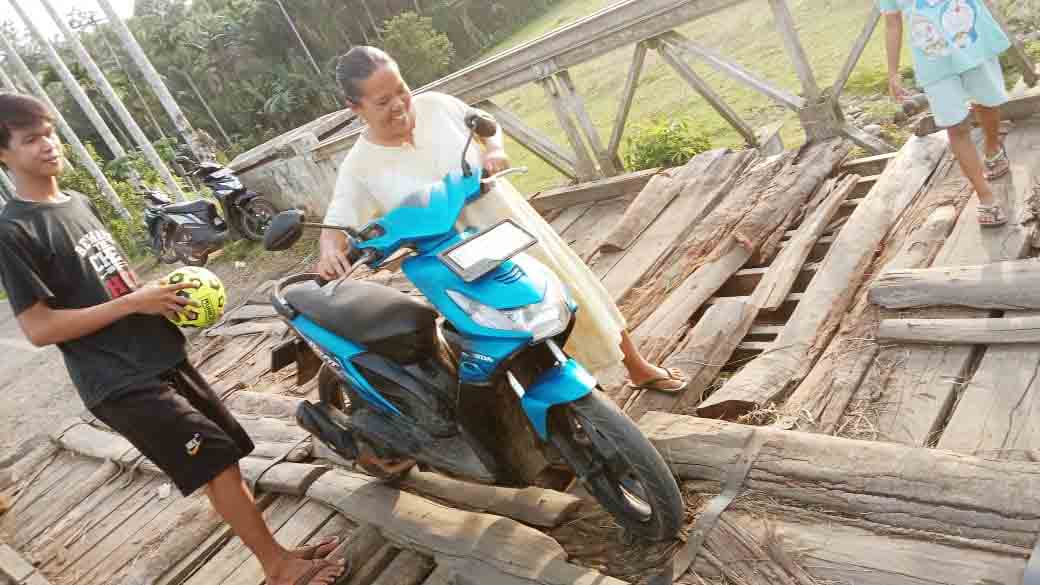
pixel 130 44
pixel 115 102
pixel 78 148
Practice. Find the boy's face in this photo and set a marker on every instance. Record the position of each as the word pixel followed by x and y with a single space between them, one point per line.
pixel 34 151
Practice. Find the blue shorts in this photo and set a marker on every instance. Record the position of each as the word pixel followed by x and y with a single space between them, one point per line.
pixel 950 97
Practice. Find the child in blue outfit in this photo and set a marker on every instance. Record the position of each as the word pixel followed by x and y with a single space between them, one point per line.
pixel 956 47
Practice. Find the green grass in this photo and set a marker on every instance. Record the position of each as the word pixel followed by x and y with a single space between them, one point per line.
pixel 745 34
pixel 3 296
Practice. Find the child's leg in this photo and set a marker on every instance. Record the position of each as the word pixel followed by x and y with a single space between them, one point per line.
pixel 989 121
pixel 971 163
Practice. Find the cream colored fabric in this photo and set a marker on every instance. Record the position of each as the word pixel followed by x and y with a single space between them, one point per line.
pixel 375 179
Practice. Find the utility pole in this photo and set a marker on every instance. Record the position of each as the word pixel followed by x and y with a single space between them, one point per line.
pixel 70 82
pixel 77 146
pixel 153 78
pixel 299 38
pixel 115 102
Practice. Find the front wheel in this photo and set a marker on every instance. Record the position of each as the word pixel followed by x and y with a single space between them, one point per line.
pixel 255 216
pixel 618 465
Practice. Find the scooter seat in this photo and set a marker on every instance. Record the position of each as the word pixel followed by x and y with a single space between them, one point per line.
pixel 363 312
pixel 195 207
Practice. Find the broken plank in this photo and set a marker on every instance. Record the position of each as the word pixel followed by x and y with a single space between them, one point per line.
pixel 533 506
pixel 945 494
pixel 1001 285
pixel 654 198
pixel 594 191
pixel 868 166
pixel 767 378
pixel 623 271
pixel 961 331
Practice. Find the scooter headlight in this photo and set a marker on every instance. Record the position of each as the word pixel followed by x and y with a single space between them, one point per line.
pixel 542 320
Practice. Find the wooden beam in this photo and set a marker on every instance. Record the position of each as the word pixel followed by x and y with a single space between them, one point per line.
pixel 593 191
pixel 855 55
pixel 795 50
pixel 869 166
pixel 861 138
pixel 701 86
pixel 540 145
pixel 733 70
pixel 576 105
pixel 961 331
pixel 17 569
pixel 584 167
pixel 625 105
pixel 944 494
pixel 1010 285
pixel 1018 50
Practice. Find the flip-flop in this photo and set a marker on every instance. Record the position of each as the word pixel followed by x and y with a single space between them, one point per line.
pixel 998 166
pixel 310 552
pixel 316 568
pixel 991 215
pixel 674 375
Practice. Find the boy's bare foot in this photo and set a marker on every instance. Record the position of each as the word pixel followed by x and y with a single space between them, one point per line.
pixel 296 571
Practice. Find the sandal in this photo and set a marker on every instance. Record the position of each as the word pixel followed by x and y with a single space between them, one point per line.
pixel 310 552
pixel 998 166
pixel 991 215
pixel 317 567
pixel 657 384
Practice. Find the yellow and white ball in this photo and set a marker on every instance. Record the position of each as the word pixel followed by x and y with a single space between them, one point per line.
pixel 209 294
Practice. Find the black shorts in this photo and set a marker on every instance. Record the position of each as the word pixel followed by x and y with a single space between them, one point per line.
pixel 181 426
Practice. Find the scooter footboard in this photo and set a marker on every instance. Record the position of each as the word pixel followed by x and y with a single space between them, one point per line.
pixel 561 385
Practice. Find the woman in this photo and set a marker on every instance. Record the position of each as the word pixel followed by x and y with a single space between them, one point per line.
pixel 411 143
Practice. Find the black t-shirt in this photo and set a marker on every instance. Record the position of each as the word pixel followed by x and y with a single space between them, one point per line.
pixel 61 254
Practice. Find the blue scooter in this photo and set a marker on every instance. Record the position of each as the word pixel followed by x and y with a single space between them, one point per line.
pixel 441 384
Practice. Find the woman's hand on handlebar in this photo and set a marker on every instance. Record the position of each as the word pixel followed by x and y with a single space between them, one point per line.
pixel 495 161
pixel 334 262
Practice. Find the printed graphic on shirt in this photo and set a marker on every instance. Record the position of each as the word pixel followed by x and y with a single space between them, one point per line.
pixel 99 248
pixel 939 26
pixel 193 446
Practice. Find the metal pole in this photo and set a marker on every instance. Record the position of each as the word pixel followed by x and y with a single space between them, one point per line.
pixel 77 146
pixel 113 99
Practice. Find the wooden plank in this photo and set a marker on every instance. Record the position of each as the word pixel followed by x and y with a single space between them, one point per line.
pixel 235 554
pixel 654 198
pixel 372 567
pixel 1016 109
pixel 1018 52
pixel 306 521
pixel 627 95
pixel 855 54
pixel 539 144
pixel 593 191
pixel 442 575
pixel 947 495
pixel 974 331
pixel 914 404
pixel 623 271
pixel 584 166
pixel 49 485
pixel 74 490
pixel 263 405
pixel 795 51
pixel 585 235
pixel 576 104
pixel 831 292
pixel 13 566
pixel 869 166
pixel 407 568
pixel 569 215
pixel 1001 285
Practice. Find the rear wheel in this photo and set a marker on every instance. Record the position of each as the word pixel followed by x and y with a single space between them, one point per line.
pixel 618 465
pixel 256 215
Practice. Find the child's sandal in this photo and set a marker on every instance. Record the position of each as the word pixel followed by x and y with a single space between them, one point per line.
pixel 991 215
pixel 998 166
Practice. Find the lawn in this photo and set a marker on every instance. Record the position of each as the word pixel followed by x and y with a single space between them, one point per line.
pixel 745 34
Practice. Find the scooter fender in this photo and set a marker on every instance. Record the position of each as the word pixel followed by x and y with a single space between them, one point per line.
pixel 561 385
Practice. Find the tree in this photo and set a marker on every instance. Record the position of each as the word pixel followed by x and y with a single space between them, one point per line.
pixel 423 53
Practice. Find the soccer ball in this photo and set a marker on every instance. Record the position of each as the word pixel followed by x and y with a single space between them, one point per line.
pixel 209 293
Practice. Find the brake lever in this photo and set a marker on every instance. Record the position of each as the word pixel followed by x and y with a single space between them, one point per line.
pixel 505 173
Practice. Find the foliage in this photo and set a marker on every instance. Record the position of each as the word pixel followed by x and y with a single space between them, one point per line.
pixel 1012 70
pixel 872 82
pixel 423 54
pixel 664 143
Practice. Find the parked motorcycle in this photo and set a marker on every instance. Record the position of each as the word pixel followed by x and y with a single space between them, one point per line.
pixel 247 212
pixel 397 383
pixel 187 232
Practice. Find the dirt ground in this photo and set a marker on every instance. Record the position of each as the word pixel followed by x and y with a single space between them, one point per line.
pixel 36 390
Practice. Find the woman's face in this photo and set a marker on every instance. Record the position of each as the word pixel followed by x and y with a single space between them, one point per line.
pixel 386 104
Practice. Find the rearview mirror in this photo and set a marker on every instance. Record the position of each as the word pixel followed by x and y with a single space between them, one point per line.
pixel 482 123
pixel 284 231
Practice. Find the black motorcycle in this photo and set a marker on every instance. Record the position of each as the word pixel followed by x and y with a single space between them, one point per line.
pixel 187 232
pixel 247 212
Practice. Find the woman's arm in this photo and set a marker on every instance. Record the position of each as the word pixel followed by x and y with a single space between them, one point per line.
pixel 495 157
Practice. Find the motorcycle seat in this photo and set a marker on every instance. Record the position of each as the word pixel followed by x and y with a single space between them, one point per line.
pixel 194 207
pixel 363 312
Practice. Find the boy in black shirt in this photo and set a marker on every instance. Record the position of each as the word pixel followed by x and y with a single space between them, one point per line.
pixel 69 284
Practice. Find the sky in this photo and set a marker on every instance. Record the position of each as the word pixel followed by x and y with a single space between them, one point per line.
pixel 39 15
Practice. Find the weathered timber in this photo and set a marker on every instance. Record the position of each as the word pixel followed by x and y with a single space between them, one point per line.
pixel 601 190
pixel 263 405
pixel 556 93
pixel 1016 109
pixel 533 506
pixel 912 488
pixel 442 575
pixel 625 270
pixel 790 190
pixel 627 96
pixel 1007 285
pixel 407 568
pixel 701 356
pixel 868 166
pixel 539 144
pixel 654 198
pixel 576 104
pixel 779 279
pixel 48 484
pixel 961 331
pixel 915 400
pixel 73 494
pixel 501 545
pixel 17 569
pixel 829 295
pixel 684 259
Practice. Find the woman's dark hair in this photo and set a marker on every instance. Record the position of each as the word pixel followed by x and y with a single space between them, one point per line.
pixel 18 111
pixel 357 65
